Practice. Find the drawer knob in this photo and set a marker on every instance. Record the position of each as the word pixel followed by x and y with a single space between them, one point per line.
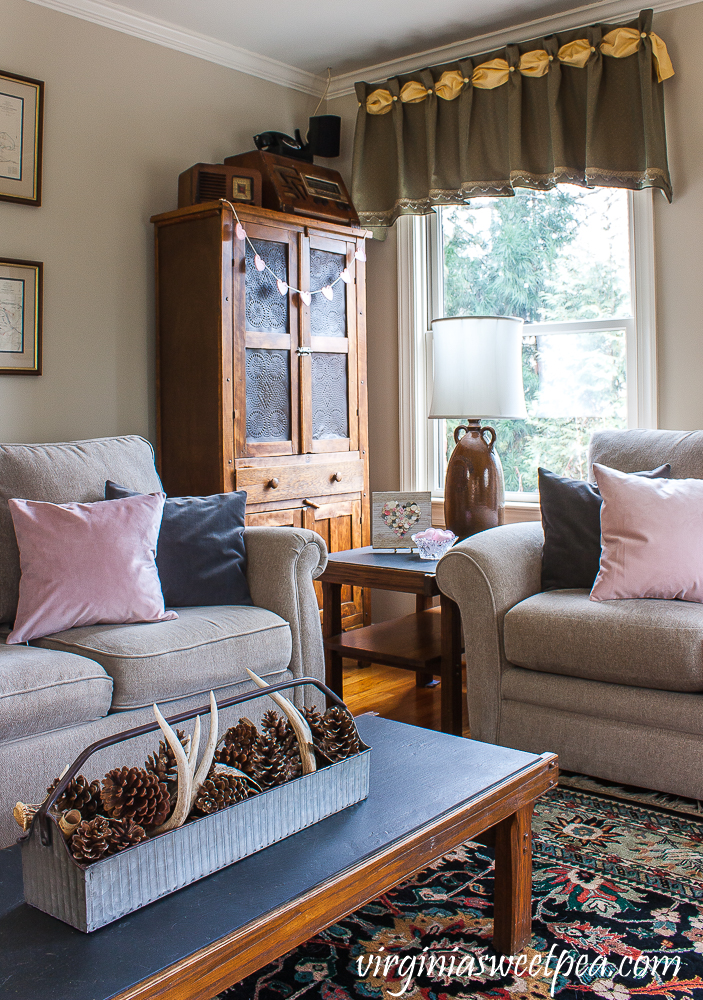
pixel 336 478
pixel 273 483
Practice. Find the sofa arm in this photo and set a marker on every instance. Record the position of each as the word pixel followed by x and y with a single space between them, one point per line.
pixel 281 566
pixel 486 575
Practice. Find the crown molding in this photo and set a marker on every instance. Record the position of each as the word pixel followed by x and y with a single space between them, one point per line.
pixel 110 15
pixel 605 10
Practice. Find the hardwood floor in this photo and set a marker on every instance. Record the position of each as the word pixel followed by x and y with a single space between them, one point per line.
pixel 392 693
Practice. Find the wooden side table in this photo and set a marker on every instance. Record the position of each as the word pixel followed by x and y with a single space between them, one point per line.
pixel 428 642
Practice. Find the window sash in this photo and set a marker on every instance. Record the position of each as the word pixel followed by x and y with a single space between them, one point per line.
pixel 420 300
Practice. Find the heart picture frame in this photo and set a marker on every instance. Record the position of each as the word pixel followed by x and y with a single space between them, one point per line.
pixel 395 517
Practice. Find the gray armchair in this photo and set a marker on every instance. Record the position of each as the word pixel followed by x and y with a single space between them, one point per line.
pixel 615 688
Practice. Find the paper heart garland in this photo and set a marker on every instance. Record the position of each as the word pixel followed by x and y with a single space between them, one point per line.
pixel 258 263
pixel 345 276
pixel 240 232
pixel 328 292
pixel 282 286
pixel 400 517
pixel 306 297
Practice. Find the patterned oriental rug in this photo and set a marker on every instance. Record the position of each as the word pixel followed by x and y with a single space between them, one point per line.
pixel 617 913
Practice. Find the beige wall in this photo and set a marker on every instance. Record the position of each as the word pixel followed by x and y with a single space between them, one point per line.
pixel 679 228
pixel 123 118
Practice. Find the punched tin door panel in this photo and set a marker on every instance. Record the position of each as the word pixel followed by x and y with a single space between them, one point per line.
pixel 265 358
pixel 330 415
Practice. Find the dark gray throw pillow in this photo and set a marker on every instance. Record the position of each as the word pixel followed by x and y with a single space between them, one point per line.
pixel 571 522
pixel 200 557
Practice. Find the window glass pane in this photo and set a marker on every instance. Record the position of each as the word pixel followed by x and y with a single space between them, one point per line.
pixel 549 257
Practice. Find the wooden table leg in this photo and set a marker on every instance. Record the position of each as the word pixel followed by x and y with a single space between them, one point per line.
pixel 452 695
pixel 422 679
pixel 512 911
pixel 332 625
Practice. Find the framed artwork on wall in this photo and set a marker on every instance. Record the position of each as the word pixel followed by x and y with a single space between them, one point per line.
pixel 21 290
pixel 396 517
pixel 21 127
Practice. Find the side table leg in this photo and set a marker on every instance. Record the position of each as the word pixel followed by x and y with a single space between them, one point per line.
pixel 332 625
pixel 512 912
pixel 452 695
pixel 423 679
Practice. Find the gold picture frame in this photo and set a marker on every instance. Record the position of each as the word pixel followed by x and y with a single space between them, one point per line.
pixel 21 130
pixel 21 305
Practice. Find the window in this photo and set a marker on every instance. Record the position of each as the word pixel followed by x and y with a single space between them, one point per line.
pixel 576 264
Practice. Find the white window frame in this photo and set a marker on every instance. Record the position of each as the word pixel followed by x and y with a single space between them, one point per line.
pixel 420 291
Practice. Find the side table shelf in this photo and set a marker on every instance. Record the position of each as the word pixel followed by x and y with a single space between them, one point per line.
pixel 413 642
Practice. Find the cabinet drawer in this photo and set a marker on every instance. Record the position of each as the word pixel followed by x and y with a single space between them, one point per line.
pixel 283 482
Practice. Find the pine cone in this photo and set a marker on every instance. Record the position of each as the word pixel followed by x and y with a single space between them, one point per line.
pixel 80 794
pixel 241 748
pixel 163 763
pixel 219 791
pixel 281 732
pixel 340 739
pixel 133 793
pixel 314 720
pixel 124 833
pixel 274 768
pixel 90 841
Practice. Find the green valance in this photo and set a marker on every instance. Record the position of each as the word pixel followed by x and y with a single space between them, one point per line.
pixel 585 107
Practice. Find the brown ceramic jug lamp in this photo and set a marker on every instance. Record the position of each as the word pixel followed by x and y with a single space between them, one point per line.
pixel 477 373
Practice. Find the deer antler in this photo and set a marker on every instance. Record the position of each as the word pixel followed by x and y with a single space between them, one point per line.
pixel 300 726
pixel 185 776
pixel 210 747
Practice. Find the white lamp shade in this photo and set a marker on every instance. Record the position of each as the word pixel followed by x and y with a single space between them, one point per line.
pixel 477 363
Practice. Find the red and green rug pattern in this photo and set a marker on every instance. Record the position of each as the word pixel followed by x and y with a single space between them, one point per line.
pixel 616 884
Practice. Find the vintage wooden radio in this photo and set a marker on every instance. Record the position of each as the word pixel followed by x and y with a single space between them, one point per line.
pixel 299 188
pixel 212 181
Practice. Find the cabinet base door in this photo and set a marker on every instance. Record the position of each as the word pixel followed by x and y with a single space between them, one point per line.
pixel 339 523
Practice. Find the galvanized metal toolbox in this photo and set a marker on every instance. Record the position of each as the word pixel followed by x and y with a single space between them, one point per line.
pixel 89 897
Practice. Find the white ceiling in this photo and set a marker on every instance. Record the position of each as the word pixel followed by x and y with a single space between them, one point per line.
pixel 292 42
pixel 313 34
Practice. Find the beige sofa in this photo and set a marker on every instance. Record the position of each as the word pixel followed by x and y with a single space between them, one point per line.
pixel 615 688
pixel 63 692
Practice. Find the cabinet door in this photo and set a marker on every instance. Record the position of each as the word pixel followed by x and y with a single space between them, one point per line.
pixel 339 523
pixel 328 372
pixel 265 344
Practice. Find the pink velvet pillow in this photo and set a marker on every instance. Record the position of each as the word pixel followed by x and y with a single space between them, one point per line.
pixel 87 564
pixel 652 538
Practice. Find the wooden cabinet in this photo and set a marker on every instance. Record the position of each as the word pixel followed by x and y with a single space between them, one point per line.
pixel 259 391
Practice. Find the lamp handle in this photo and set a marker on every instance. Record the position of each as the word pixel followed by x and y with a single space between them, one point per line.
pixel 456 432
pixel 489 430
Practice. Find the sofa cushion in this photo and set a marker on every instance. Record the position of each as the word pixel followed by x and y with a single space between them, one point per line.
pixel 644 643
pixel 61 473
pixel 87 563
pixel 204 649
pixel 42 690
pixel 201 556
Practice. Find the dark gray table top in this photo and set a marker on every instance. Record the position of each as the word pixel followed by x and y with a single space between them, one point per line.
pixel 416 776
pixel 386 559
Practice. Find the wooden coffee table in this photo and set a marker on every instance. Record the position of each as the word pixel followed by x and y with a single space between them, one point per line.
pixel 428 642
pixel 429 793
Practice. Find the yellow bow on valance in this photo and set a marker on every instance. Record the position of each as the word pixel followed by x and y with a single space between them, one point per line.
pixel 413 93
pixel 491 74
pixel 576 53
pixel 623 42
pixel 535 63
pixel 450 84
